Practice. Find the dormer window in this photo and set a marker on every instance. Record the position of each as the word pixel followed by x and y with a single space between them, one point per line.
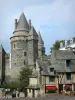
pixel 51 69
pixel 71 41
pixel 68 63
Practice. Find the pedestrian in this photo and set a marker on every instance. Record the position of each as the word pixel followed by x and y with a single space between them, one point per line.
pixel 14 94
pixel 17 93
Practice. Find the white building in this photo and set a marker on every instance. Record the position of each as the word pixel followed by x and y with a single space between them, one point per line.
pixel 68 44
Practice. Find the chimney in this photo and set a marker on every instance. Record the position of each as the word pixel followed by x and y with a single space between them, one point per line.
pixel 15 23
pixel 29 24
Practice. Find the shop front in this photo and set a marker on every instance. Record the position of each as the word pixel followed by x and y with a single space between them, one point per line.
pixel 50 89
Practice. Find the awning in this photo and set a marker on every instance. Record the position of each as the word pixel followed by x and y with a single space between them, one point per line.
pixel 68 85
pixel 51 87
pixel 74 84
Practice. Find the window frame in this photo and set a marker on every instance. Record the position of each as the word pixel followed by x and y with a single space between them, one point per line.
pixel 51 80
pixel 67 76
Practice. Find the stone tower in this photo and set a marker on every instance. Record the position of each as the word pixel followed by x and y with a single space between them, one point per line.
pixel 32 47
pixel 41 48
pixel 24 46
pixel 2 64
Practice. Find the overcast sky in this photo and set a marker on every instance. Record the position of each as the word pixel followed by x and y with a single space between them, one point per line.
pixel 54 18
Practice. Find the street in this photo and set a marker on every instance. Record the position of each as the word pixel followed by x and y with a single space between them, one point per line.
pixel 44 98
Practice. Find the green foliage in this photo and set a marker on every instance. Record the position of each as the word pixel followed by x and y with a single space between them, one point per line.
pixel 12 85
pixel 25 73
pixel 56 45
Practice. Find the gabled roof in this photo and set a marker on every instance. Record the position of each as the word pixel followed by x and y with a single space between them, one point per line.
pixel 33 31
pixel 44 67
pixel 40 38
pixel 64 54
pixel 22 23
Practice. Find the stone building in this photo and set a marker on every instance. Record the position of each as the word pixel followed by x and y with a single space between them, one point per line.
pixel 55 73
pixel 26 46
pixel 2 64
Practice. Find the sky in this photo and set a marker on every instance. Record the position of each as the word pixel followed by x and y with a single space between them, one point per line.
pixel 55 19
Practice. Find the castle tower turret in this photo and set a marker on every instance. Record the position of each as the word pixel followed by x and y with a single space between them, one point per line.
pixel 32 47
pixel 41 48
pixel 19 46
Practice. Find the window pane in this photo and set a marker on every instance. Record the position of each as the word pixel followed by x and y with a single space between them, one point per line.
pixel 51 69
pixel 25 53
pixel 52 79
pixel 68 76
pixel 68 63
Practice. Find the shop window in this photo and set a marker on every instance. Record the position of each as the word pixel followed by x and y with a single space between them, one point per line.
pixel 52 79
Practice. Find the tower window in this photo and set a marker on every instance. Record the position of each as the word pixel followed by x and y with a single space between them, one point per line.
pixel 25 53
pixel 24 62
pixel 14 45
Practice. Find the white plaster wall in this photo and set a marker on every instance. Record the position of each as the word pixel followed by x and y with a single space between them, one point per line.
pixel 33 81
pixel 30 93
pixel 62 48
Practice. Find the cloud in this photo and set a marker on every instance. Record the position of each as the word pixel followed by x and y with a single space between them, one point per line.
pixel 55 19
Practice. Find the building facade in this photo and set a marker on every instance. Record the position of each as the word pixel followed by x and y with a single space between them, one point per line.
pixel 55 74
pixel 68 44
pixel 26 46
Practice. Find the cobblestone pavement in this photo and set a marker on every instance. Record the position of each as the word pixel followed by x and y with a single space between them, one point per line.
pixel 44 98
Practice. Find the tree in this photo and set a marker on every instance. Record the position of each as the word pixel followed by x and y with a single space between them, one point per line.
pixel 56 45
pixel 25 73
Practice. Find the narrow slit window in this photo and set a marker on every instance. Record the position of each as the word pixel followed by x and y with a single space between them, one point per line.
pixel 24 62
pixel 25 54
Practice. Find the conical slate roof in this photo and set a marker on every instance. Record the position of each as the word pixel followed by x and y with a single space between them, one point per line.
pixel 22 23
pixel 40 38
pixel 33 31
